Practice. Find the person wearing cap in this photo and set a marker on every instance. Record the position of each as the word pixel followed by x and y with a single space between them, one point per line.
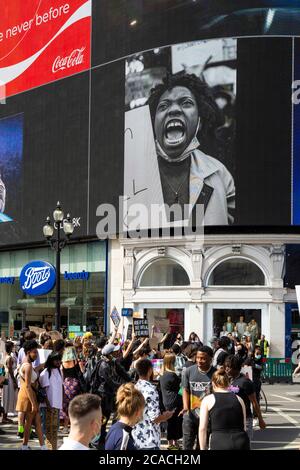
pixel 112 375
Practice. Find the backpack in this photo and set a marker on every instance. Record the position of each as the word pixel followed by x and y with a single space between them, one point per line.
pixel 89 370
pixel 95 377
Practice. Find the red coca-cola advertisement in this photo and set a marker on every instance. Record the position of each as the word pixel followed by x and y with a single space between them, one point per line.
pixel 42 41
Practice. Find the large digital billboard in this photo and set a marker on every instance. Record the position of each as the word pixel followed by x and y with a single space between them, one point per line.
pixel 42 41
pixel 185 117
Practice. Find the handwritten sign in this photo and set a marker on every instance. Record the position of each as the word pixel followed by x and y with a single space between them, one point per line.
pixel 141 327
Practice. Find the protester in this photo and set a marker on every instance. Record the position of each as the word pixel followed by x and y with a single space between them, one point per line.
pixel 85 417
pixel 194 338
pixel 222 351
pixel 180 359
pixel 196 384
pixel 111 375
pixel 51 379
pixel 10 389
pixel 245 389
pixel 26 335
pixel 170 385
pixel 226 414
pixel 190 352
pixel 71 381
pixel 146 433
pixel 130 407
pixel 255 361
pixel 27 398
pixel 241 353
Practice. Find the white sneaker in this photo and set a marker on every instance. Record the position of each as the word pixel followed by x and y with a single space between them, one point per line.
pixel 255 422
pixel 25 447
pixel 44 447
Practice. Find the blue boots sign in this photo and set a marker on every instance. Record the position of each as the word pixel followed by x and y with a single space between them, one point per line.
pixel 37 278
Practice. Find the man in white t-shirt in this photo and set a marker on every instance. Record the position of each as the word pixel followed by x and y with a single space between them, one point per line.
pixel 85 417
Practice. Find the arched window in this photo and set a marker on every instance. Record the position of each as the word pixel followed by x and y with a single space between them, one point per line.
pixel 237 272
pixel 164 272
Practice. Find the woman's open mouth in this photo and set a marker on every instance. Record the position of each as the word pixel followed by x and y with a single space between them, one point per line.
pixel 174 132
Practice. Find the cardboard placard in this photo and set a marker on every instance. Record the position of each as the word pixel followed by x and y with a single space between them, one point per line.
pixel 161 324
pixel 54 335
pixel 247 371
pixel 153 342
pixel 138 314
pixel 38 331
pixel 141 328
pixel 115 317
pixel 43 355
pixel 129 332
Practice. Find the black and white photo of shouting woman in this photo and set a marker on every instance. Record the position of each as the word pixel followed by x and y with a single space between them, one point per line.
pixel 183 112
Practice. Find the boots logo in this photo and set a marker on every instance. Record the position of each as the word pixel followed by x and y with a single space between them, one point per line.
pixel 75 58
pixel 37 278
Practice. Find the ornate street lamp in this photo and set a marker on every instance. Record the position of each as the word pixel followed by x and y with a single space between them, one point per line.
pixel 57 243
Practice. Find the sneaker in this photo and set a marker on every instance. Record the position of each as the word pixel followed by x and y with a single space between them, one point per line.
pixel 44 447
pixel 23 447
pixel 20 435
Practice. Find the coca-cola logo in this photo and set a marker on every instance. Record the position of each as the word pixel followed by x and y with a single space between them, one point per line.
pixel 37 278
pixel 72 60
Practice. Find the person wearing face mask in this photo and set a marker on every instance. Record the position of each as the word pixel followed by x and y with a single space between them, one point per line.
pixel 183 114
pixel 85 417
pixel 241 352
pixel 256 362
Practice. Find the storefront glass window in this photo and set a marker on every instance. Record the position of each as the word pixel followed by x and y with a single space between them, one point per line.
pixel 82 301
pixel 164 272
pixel 237 272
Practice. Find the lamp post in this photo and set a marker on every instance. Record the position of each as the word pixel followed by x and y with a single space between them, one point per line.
pixel 57 244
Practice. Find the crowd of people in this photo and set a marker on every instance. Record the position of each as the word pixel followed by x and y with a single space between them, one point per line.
pixel 106 393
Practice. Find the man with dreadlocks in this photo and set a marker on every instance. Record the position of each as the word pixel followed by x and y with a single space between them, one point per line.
pixel 184 114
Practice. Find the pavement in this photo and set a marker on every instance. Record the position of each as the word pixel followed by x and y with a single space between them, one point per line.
pixel 282 419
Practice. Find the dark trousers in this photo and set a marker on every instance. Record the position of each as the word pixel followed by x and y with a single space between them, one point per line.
pixel 190 429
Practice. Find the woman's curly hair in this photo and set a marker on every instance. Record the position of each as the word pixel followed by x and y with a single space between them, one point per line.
pixel 207 107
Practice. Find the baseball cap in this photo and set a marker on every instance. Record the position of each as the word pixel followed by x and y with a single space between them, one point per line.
pixel 213 339
pixel 110 348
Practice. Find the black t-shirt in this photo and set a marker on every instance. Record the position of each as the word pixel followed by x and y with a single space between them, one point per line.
pixel 169 386
pixel 243 387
